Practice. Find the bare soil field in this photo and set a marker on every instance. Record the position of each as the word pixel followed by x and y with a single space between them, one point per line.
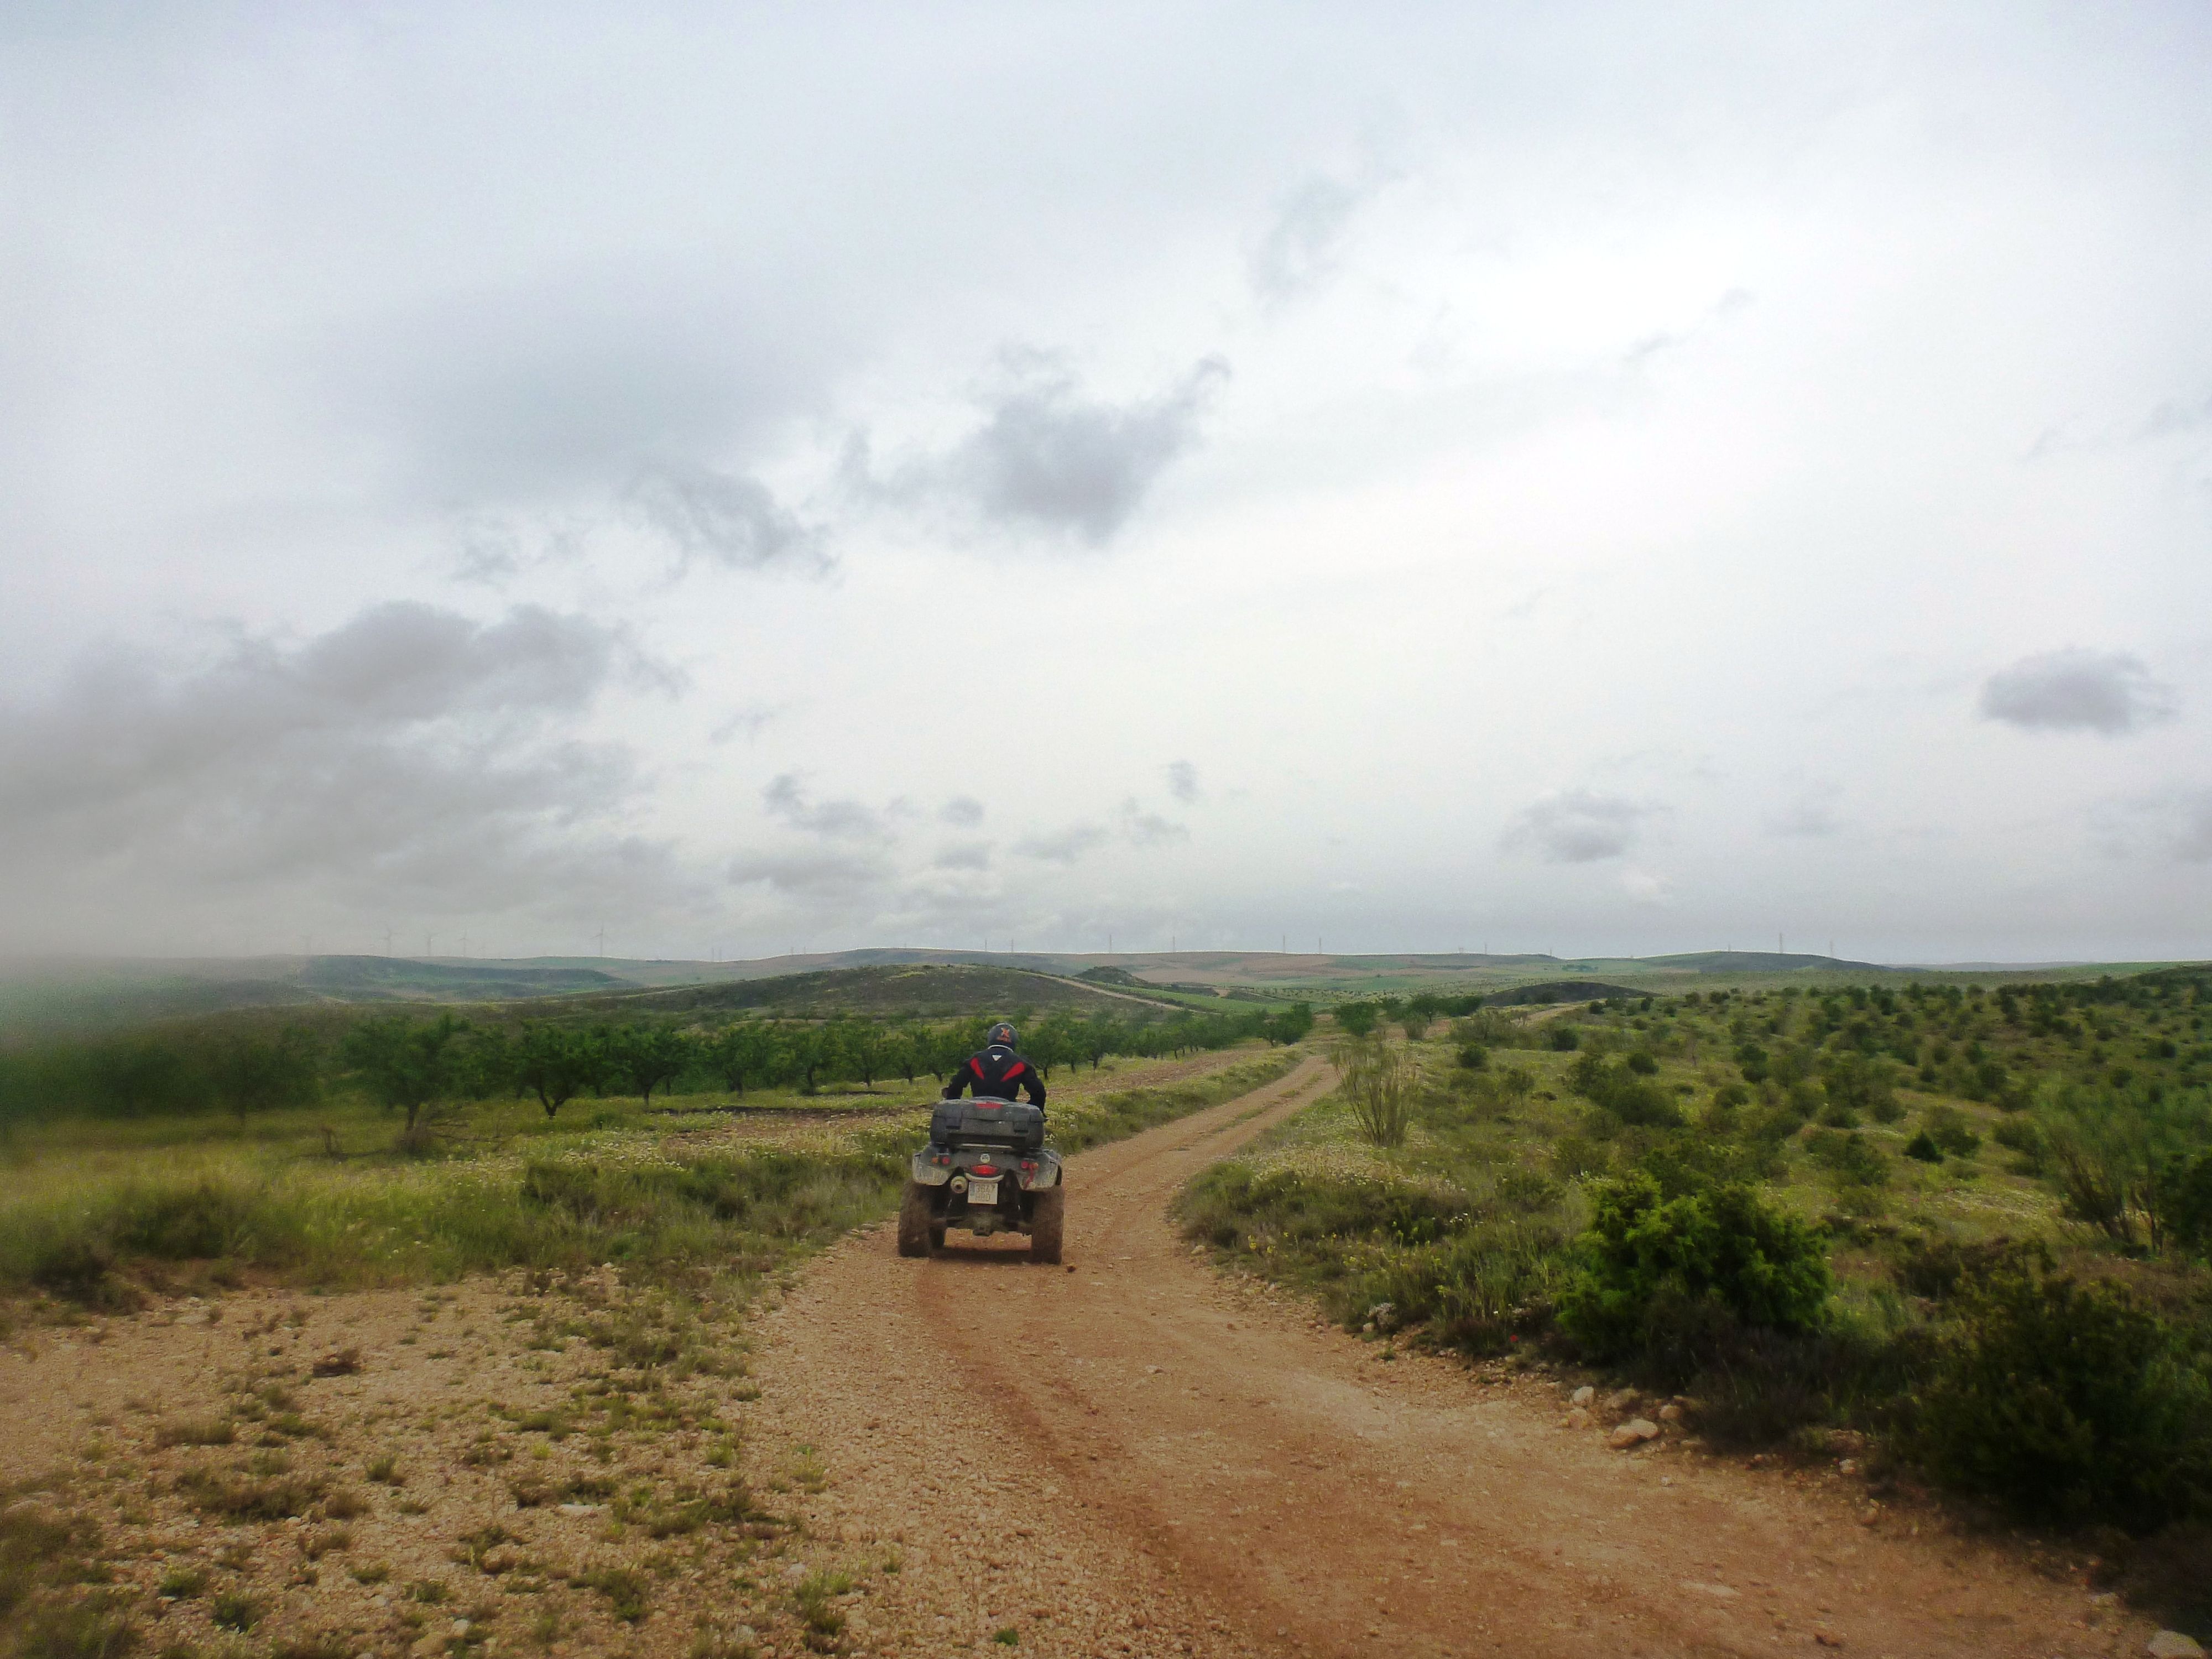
pixel 971 1454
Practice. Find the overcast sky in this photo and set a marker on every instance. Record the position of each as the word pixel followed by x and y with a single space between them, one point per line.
pixel 1601 478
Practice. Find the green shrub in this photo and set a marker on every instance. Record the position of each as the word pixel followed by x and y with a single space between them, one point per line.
pixel 1357 1019
pixel 1719 1256
pixel 93 1624
pixel 1563 1037
pixel 1378 1086
pixel 628 1594
pixel 2067 1402
pixel 1728 1099
pixel 1615 1087
pixel 1936 1266
pixel 1233 1205
pixel 1478 1290
pixel 1948 1127
pixel 1859 1084
pixel 2022 1135
pixel 1923 1147
pixel 1848 1155
pixel 2181 1202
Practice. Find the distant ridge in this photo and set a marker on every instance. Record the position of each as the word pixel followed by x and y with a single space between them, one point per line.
pixel 1760 961
pixel 930 989
pixel 401 977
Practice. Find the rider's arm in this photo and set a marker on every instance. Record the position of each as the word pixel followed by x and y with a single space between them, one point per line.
pixel 1034 1082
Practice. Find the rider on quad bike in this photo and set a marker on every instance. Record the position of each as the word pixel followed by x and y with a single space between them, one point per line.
pixel 986 1169
pixel 996 1071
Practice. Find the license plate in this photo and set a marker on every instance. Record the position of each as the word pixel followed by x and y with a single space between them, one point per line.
pixel 982 1191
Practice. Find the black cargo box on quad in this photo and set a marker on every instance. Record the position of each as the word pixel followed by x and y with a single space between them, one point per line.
pixel 987 1123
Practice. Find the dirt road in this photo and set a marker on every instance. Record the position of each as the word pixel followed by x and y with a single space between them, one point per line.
pixel 1133 1455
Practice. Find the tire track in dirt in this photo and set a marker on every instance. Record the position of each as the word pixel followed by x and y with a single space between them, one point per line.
pixel 1135 1455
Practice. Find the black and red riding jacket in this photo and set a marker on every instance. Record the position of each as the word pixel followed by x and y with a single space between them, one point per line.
pixel 995 1074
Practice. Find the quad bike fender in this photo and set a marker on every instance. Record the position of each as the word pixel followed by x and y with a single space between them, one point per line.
pixel 926 1172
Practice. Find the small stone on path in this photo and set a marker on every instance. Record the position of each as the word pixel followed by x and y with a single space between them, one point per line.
pixel 1634 1432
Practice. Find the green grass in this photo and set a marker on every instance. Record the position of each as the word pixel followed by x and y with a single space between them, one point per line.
pixel 94 1210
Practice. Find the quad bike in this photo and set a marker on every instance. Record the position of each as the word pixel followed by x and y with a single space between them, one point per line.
pixel 986 1169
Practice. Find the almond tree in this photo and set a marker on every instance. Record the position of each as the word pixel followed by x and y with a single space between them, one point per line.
pixel 555 1063
pixel 647 1056
pixel 410 1064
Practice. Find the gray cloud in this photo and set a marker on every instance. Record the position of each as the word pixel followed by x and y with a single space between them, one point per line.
pixel 1048 455
pixel 786 798
pixel 1182 782
pixel 1298 250
pixel 963 855
pixel 495 552
pixel 2175 824
pixel 733 522
pixel 522 390
pixel 1144 829
pixel 1811 816
pixel 2170 419
pixel 834 877
pixel 1062 846
pixel 963 810
pixel 1577 826
pixel 2108 692
pixel 410 756
pixel 748 722
pixel 2188 827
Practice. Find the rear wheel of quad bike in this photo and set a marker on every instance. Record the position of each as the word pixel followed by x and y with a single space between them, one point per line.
pixel 917 1228
pixel 1047 1215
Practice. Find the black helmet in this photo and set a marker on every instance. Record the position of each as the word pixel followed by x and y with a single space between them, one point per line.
pixel 1001 1035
